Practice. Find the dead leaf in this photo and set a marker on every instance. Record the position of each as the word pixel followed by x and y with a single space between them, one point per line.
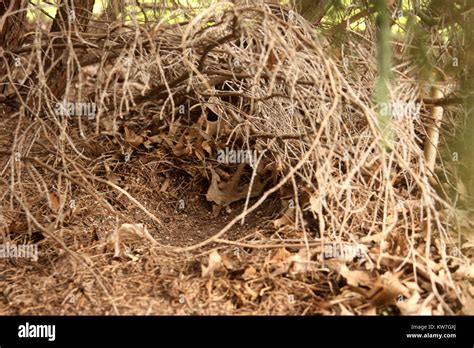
pixel 468 303
pixel 272 60
pixel 224 193
pixel 282 255
pixel 356 278
pixel 344 310
pixel 182 148
pixel 392 280
pixel 377 238
pixel 286 219
pixel 285 262
pixel 155 139
pixel 53 200
pixel 464 272
pixel 214 264
pixel 207 147
pixel 165 185
pixel 132 138
pixel 388 290
pixel 415 305
pixel 301 262
pixel 228 261
pixel 252 293
pixel 249 273
pixel 114 178
pixel 129 232
pixel 468 245
pixel 72 210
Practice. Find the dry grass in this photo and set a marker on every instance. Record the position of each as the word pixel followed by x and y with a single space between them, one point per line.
pixel 257 79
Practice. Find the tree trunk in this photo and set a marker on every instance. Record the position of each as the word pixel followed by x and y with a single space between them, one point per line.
pixel 71 18
pixel 12 23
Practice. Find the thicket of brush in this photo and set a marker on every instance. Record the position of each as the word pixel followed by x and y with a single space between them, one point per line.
pixel 164 101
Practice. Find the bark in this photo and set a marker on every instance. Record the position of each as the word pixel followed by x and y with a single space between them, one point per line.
pixel 72 18
pixel 12 22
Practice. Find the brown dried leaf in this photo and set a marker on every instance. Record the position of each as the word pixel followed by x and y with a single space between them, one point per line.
pixel 165 185
pixel 286 219
pixel 300 263
pixel 388 290
pixel 72 210
pixel 249 273
pixel 356 278
pixel 132 138
pixel 415 305
pixel 464 272
pixel 129 232
pixel 215 263
pixel 224 193
pixel 53 200
pixel 207 147
pixel 281 255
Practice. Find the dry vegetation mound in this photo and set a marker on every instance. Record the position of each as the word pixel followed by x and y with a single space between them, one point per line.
pixel 231 164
